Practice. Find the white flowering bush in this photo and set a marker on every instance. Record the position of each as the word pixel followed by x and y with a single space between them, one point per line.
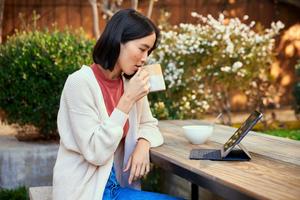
pixel 205 62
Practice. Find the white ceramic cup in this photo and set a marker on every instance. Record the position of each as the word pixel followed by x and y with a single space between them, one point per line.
pixel 197 134
pixel 157 82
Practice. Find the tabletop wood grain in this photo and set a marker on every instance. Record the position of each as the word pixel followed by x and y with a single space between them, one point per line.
pixel 272 173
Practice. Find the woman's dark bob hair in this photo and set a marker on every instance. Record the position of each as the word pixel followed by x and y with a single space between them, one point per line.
pixel 124 26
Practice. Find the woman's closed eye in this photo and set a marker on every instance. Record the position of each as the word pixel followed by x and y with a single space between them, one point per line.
pixel 142 49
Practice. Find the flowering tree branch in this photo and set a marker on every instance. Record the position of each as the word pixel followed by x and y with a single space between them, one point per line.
pixel 96 28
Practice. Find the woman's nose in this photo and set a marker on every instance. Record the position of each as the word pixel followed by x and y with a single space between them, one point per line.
pixel 144 57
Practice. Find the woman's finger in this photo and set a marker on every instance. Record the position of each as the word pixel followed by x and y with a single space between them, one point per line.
pixel 147 168
pixel 128 164
pixel 143 170
pixel 137 172
pixel 132 173
pixel 138 72
pixel 144 74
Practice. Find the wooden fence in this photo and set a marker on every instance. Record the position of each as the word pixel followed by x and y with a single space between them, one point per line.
pixel 78 13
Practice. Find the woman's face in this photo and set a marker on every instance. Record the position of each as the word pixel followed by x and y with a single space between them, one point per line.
pixel 133 54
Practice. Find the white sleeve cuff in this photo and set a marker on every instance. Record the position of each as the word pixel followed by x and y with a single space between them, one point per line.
pixel 119 117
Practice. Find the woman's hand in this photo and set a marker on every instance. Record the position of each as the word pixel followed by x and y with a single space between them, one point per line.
pixel 139 161
pixel 138 85
pixel 137 88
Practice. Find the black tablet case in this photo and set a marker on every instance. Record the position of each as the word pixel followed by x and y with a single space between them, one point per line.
pixel 214 154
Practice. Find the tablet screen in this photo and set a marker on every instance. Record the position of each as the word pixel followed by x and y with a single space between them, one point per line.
pixel 242 131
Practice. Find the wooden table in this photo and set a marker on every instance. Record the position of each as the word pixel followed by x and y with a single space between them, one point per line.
pixel 272 173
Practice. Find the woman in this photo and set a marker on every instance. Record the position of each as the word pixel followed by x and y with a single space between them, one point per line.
pixel 104 121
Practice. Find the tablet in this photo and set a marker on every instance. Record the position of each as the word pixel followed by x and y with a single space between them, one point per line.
pixel 240 133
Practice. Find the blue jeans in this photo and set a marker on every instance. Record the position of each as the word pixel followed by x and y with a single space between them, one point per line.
pixel 113 191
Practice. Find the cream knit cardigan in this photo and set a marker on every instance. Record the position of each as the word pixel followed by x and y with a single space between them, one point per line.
pixel 90 138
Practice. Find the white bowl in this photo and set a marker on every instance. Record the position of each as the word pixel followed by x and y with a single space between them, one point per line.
pixel 197 134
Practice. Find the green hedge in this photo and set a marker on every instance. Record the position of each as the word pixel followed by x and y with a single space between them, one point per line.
pixel 33 68
pixel 20 193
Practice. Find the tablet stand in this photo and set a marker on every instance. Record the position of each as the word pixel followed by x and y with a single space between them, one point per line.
pixel 238 154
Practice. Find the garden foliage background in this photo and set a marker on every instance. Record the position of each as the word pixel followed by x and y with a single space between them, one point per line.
pixel 203 64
